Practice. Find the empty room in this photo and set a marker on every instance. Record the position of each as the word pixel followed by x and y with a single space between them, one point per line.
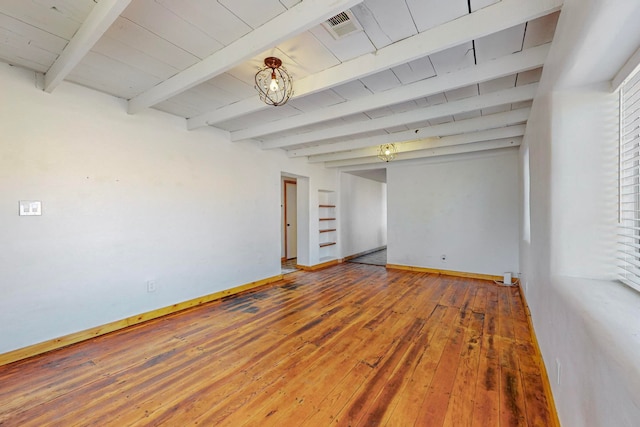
pixel 310 212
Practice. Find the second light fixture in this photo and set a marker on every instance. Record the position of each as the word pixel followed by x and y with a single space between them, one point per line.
pixel 387 152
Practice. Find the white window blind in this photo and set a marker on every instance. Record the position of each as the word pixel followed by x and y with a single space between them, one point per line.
pixel 629 183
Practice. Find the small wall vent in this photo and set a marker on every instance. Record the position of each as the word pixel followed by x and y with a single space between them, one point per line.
pixel 342 25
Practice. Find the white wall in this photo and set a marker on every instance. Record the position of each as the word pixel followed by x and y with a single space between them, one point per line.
pixel 465 208
pixel 126 199
pixel 363 214
pixel 584 320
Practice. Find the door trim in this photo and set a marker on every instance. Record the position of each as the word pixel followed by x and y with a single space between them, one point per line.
pixel 284 183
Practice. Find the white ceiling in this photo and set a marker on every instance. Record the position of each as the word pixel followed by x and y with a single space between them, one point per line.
pixel 431 76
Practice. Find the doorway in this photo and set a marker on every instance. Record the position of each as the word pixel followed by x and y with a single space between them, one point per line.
pixel 295 237
pixel 364 216
pixel 290 223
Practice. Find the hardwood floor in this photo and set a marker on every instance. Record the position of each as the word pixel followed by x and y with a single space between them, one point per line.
pixel 350 345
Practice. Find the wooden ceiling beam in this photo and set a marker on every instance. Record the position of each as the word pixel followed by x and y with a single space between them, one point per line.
pixel 97 23
pixel 470 147
pixel 493 99
pixel 500 67
pixel 296 20
pixel 508 118
pixel 427 143
pixel 497 17
pixel 407 139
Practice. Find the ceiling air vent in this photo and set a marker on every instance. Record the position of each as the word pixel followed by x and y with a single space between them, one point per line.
pixel 342 25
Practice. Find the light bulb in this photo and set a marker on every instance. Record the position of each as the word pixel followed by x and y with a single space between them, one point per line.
pixel 387 152
pixel 274 85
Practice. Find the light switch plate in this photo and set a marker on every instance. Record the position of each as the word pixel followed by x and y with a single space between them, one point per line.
pixel 30 207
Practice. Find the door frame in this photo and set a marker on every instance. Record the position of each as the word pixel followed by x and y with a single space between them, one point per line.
pixel 286 181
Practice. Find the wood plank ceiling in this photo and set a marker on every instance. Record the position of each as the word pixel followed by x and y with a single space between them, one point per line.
pixel 434 77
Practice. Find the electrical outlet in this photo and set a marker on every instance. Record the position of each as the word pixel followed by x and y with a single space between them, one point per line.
pixel 558 371
pixel 151 286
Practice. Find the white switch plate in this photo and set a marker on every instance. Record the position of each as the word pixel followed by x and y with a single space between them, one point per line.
pixel 30 207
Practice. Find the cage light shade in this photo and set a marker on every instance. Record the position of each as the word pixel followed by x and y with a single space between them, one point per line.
pixel 387 152
pixel 273 82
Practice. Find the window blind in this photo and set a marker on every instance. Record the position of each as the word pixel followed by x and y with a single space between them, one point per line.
pixel 629 183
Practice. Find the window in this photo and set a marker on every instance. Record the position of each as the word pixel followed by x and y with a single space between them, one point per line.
pixel 629 183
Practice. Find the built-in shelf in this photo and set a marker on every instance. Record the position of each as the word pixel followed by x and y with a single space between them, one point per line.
pixel 328 229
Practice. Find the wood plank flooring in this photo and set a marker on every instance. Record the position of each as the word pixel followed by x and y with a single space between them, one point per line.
pixel 352 345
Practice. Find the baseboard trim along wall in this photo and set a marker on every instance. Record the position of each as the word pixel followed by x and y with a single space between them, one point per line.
pixel 56 343
pixel 444 272
pixel 348 257
pixel 543 369
pixel 318 266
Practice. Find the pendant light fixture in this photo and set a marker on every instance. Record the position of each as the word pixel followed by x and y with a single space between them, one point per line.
pixel 387 152
pixel 273 82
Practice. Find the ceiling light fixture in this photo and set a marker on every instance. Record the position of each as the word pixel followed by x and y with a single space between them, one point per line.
pixel 387 152
pixel 273 82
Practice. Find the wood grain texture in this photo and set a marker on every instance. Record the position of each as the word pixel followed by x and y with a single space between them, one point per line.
pixel 351 345
pixel 60 342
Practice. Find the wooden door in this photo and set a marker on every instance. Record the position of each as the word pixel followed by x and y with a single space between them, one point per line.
pixel 291 219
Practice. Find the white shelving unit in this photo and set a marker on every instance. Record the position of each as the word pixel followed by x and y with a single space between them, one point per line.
pixel 327 225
